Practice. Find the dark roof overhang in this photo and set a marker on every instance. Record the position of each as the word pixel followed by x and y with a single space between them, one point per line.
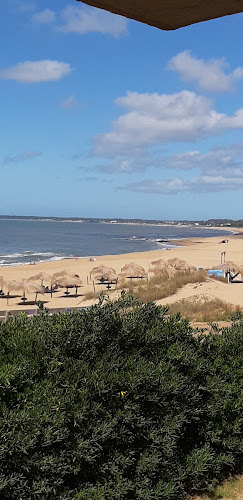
pixel 169 14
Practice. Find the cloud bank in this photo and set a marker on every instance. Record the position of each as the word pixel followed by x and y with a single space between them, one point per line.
pixel 199 184
pixel 220 169
pixel 154 119
pixel 136 139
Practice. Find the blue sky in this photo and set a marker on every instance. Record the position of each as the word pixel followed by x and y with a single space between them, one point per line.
pixel 107 117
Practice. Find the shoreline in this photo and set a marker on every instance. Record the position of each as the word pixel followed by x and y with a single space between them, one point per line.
pixel 200 252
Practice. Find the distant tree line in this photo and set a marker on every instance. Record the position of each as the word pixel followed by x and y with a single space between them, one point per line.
pixel 209 222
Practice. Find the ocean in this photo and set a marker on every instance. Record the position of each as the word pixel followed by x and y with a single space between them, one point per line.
pixel 24 241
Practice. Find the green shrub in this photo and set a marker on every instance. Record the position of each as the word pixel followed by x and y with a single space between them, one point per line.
pixel 117 402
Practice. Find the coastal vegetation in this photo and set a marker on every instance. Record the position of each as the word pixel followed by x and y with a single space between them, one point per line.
pixel 203 309
pixel 118 401
pixel 162 286
pixel 229 490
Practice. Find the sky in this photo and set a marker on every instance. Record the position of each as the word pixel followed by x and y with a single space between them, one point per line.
pixel 101 116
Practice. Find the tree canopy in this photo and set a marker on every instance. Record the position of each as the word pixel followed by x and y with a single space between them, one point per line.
pixel 119 401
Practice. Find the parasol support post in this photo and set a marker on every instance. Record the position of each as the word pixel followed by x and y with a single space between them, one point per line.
pixel 223 255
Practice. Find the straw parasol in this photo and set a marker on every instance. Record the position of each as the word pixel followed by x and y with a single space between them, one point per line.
pixel 60 275
pixel 8 284
pixel 102 272
pixel 133 270
pixel 27 286
pixel 41 277
pixel 229 266
pixel 70 282
pixel 162 268
pixel 110 276
pixel 175 262
pixel 159 263
pixel 65 272
pixel 181 265
pixel 1 282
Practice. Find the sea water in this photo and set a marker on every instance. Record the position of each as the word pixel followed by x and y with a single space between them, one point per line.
pixel 24 241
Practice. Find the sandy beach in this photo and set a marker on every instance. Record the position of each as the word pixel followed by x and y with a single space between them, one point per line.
pixel 202 253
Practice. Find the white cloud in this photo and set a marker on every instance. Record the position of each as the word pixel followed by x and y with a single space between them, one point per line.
pixel 154 119
pixel 36 71
pixel 81 20
pixel 196 184
pixel 210 75
pixel 227 160
pixel 45 16
pixel 126 165
pixel 26 155
pixel 69 103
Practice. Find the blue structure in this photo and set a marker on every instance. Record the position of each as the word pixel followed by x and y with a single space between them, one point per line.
pixel 216 272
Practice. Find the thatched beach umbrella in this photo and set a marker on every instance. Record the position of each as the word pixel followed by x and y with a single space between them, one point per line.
pixel 110 276
pixel 8 285
pixel 27 286
pixel 133 270
pixel 60 275
pixel 229 266
pixel 70 282
pixel 41 277
pixel 175 262
pixel 101 272
pixel 161 268
pixel 1 282
pixel 181 265
pixel 159 263
pixel 65 272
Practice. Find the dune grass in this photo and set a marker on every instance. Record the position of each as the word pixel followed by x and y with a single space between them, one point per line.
pixel 160 287
pixel 89 296
pixel 201 308
pixel 231 489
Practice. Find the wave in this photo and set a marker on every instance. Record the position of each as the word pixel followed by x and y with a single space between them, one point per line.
pixel 160 241
pixel 26 254
pixel 4 263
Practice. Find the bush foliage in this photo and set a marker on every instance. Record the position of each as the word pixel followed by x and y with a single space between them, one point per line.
pixel 117 402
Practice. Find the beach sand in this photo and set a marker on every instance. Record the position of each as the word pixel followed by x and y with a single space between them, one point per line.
pixel 204 253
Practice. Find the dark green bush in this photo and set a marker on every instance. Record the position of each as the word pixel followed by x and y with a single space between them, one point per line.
pixel 117 402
